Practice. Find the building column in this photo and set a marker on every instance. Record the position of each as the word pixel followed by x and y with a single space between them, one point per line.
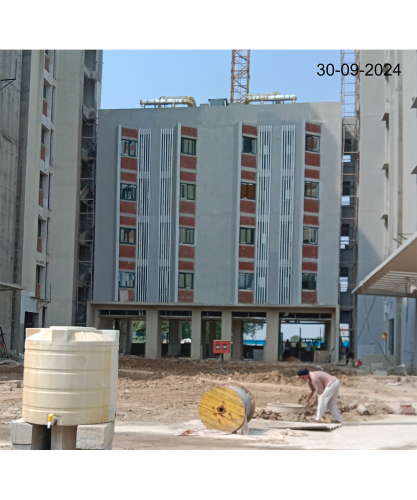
pixel 174 345
pixel 212 337
pixel 106 323
pixel 237 336
pixel 334 335
pixel 227 330
pixel 153 343
pixel 272 336
pixel 196 334
pixel 129 336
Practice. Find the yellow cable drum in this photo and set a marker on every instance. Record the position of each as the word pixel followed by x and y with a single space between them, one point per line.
pixel 225 408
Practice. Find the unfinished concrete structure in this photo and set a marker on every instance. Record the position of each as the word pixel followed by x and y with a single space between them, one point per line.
pixel 51 216
pixel 218 213
pixel 387 217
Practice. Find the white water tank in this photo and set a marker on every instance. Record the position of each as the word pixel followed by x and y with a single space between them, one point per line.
pixel 71 372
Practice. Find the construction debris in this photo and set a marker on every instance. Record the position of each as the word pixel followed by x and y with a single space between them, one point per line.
pixel 362 410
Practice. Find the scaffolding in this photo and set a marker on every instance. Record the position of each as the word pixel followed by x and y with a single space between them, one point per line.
pixel 87 217
pixel 349 194
pixel 240 75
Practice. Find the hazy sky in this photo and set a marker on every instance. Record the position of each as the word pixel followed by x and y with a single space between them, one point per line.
pixel 129 76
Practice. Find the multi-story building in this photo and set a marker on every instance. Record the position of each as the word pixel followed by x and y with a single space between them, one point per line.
pixel 218 213
pixel 56 119
pixel 387 219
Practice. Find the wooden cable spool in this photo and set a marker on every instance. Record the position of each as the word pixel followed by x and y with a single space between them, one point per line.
pixel 225 408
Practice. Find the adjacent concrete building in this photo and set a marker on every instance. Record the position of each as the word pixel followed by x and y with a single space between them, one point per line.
pixel 218 213
pixel 387 219
pixel 59 93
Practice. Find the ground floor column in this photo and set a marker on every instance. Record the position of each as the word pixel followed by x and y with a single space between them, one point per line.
pixel 212 337
pixel 197 335
pixel 272 336
pixel 237 337
pixel 227 330
pixel 153 343
pixel 106 323
pixel 333 347
pixel 174 345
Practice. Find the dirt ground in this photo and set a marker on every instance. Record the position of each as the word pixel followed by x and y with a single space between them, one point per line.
pixel 168 391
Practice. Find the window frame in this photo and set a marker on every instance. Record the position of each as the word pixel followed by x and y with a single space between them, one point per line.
pixel 41 176
pixel 318 143
pixel 121 191
pixel 39 228
pixel 187 230
pixel 192 141
pixel 310 228
pixel 129 141
pixel 245 277
pixel 251 231
pixel 38 275
pixel 253 140
pixel 247 184
pixel 127 230
pixel 43 136
pixel 311 184
pixel 308 281
pixel 187 185
pixel 128 273
pixel 184 280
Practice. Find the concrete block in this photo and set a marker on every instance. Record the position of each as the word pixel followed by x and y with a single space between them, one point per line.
pixel 24 433
pixel 8 388
pixel 63 437
pixel 43 444
pixel 380 373
pixel 362 410
pixel 17 384
pixel 95 437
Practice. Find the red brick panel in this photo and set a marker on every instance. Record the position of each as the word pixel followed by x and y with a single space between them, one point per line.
pixel 313 127
pixel 43 150
pixel 131 295
pixel 246 296
pixel 188 162
pixel 185 295
pixel 313 159
pixel 247 129
pixel 311 206
pixel 128 207
pixel 46 63
pixel 187 207
pixel 127 221
pixel 186 252
pixel 248 176
pixel 127 176
pixel 309 297
pixel 41 198
pixel 247 221
pixel 246 266
pixel 190 131
pixel 129 132
pixel 187 221
pixel 126 266
pixel 247 251
pixel 310 251
pixel 309 266
pixel 248 161
pixel 39 245
pixel 45 108
pixel 312 174
pixel 248 206
pixel 311 220
pixel 38 290
pixel 188 176
pixel 184 265
pixel 129 163
pixel 127 251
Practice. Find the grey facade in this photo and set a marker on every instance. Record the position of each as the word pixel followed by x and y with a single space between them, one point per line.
pixel 387 206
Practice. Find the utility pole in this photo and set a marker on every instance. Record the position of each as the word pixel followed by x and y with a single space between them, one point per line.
pixel 240 75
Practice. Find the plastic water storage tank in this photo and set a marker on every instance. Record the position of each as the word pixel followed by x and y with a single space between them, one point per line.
pixel 71 372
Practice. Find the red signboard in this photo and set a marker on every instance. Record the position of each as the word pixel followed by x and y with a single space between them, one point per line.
pixel 221 346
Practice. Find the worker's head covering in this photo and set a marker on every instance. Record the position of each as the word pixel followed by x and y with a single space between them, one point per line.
pixel 303 371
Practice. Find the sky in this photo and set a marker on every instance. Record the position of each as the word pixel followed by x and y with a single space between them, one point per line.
pixel 129 76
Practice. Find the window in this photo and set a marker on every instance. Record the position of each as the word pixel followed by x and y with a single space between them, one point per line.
pixel 43 137
pixel 188 146
pixel 247 191
pixel 186 280
pixel 50 191
pixel 347 188
pixel 345 201
pixel 51 148
pixel 44 91
pixel 128 192
pixel 39 229
pixel 309 281
pixel 127 236
pixel 249 145
pixel 126 280
pixel 347 158
pixel 47 52
pixel 129 148
pixel 186 236
pixel 187 191
pixel 311 190
pixel 38 274
pixel 247 236
pixel 245 281
pixel 313 143
pixel 40 182
pixel 345 230
pixel 310 235
pixel 48 230
pixel 53 104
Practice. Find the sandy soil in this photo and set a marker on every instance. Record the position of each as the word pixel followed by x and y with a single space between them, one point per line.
pixel 168 391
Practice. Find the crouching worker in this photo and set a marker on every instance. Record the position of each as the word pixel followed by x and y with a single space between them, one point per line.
pixel 327 388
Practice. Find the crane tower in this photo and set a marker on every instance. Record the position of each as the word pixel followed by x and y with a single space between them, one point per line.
pixel 240 75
